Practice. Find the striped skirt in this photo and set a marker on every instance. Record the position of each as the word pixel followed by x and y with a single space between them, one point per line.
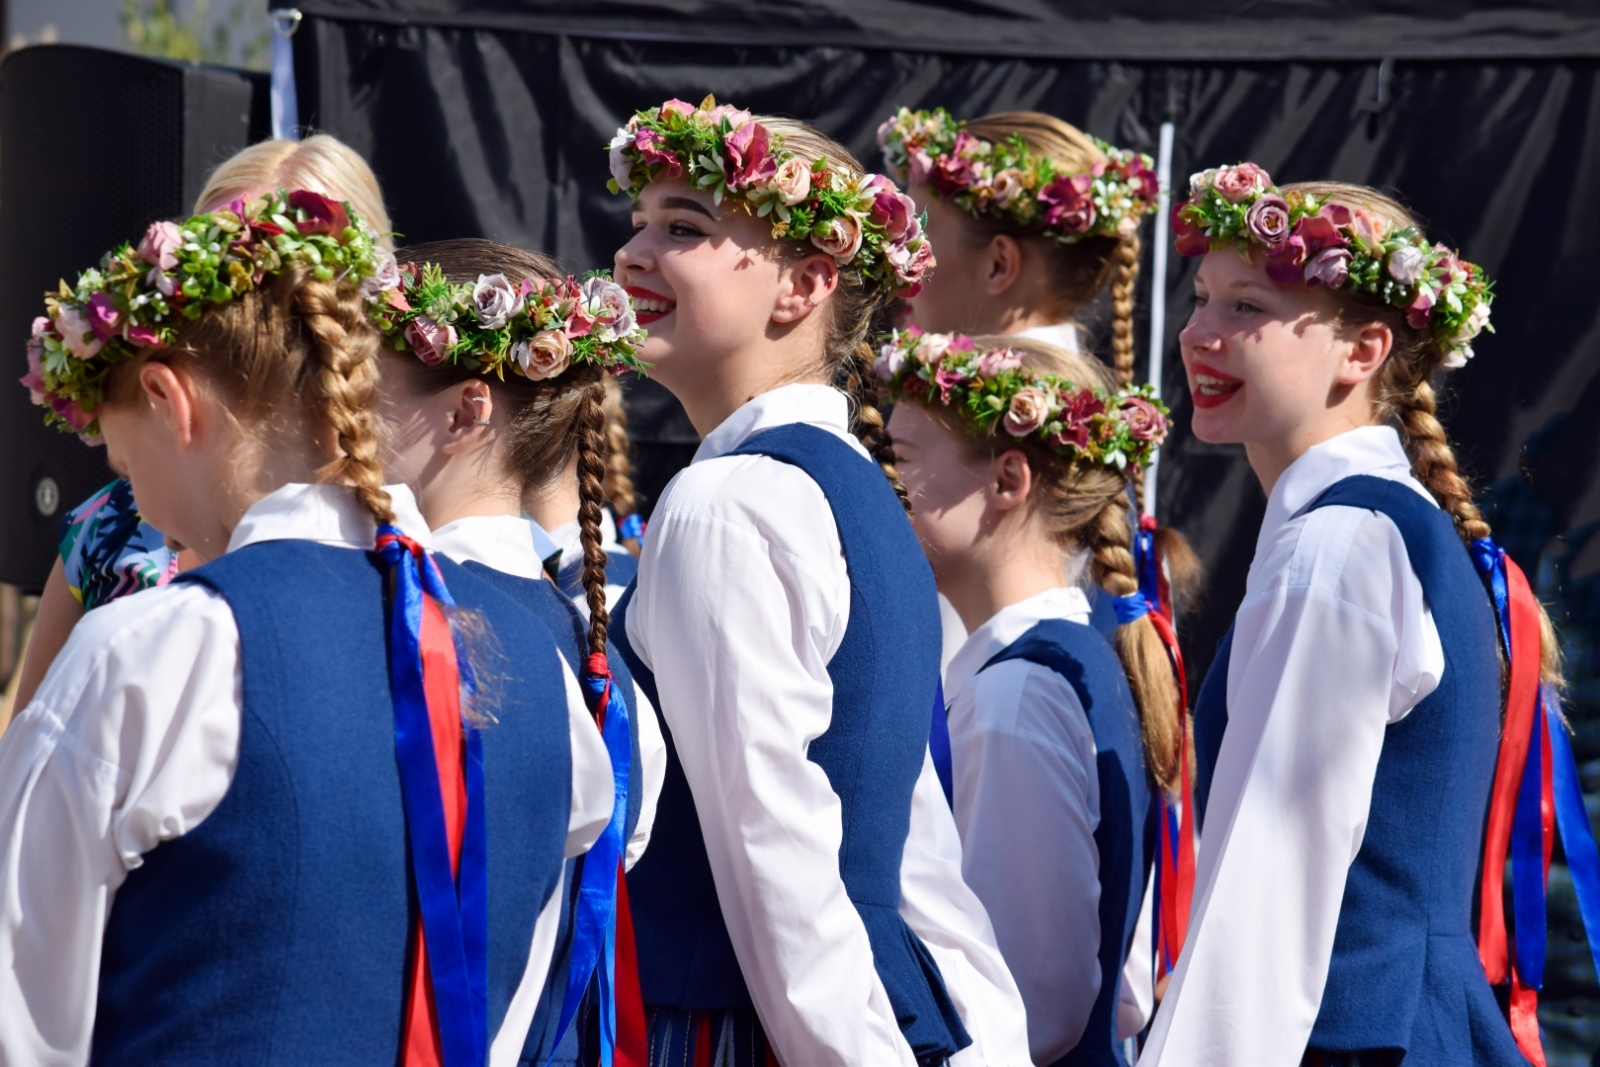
pixel 727 1038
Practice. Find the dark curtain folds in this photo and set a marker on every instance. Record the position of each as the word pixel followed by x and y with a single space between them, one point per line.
pixel 487 123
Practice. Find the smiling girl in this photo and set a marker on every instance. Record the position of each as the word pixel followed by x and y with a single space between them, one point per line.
pixel 1348 731
pixel 305 803
pixel 802 898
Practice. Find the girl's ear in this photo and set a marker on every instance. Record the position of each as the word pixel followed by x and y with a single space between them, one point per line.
pixel 173 397
pixel 471 415
pixel 1010 480
pixel 1369 348
pixel 1002 264
pixel 803 288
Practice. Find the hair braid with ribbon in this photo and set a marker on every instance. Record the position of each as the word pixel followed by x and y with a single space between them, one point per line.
pixel 592 449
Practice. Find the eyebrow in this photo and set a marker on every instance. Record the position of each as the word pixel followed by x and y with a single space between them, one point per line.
pixel 683 203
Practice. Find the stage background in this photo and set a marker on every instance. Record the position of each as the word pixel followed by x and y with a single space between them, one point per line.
pixel 490 118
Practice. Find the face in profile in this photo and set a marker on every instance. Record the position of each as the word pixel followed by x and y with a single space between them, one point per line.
pixel 947 478
pixel 955 296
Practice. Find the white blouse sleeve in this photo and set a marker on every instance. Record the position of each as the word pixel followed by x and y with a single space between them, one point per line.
pixel 951 921
pixel 1324 658
pixel 742 600
pixel 653 763
pixel 1028 802
pixel 132 740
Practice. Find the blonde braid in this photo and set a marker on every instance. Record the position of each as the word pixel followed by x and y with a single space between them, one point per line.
pixel 1433 462
pixel 861 385
pixel 619 471
pixel 591 495
pixel 343 388
pixel 1122 283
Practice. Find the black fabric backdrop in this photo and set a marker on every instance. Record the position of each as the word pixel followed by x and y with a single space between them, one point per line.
pixel 490 119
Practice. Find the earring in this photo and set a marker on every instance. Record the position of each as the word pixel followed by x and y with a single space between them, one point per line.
pixel 475 420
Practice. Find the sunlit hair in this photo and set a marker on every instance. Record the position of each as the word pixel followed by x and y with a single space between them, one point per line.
pixel 1085 506
pixel 858 311
pixel 320 163
pixel 1403 394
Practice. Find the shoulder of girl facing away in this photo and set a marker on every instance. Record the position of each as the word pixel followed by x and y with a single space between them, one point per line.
pixel 774 500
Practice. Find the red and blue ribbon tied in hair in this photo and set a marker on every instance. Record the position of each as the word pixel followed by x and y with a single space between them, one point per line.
pixel 1535 787
pixel 440 758
pixel 1174 886
pixel 602 941
pixel 1147 566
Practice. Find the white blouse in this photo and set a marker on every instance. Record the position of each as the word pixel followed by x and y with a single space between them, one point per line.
pixel 743 597
pixel 1332 643
pixel 506 543
pixel 132 740
pixel 1027 802
pixel 566 543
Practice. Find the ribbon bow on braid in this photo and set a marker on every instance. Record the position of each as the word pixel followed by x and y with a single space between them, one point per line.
pixel 1175 863
pixel 440 757
pixel 1535 786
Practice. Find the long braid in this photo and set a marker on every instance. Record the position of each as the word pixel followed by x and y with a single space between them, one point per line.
pixel 343 389
pixel 861 385
pixel 1139 647
pixel 592 495
pixel 1433 462
pixel 619 470
pixel 1122 285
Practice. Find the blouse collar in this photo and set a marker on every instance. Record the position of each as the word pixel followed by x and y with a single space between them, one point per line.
pixel 816 405
pixel 1064 335
pixel 326 514
pixel 1009 623
pixel 506 543
pixel 1374 450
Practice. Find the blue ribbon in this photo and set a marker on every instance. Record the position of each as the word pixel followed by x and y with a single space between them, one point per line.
pixel 455 914
pixel 1572 819
pixel 1130 608
pixel 632 526
pixel 1527 862
pixel 1490 560
pixel 595 923
pixel 939 745
pixel 1145 563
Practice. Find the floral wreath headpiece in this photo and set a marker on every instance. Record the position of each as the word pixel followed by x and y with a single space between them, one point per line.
pixel 536 329
pixel 987 386
pixel 1010 181
pixel 141 295
pixel 856 218
pixel 1323 242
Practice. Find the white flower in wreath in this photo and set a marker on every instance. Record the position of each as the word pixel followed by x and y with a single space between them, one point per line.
pixel 495 300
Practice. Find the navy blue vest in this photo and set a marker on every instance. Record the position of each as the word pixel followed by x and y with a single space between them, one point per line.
pixel 883 676
pixel 572 639
pixel 1405 973
pixel 278 931
pixel 621 566
pixel 1124 837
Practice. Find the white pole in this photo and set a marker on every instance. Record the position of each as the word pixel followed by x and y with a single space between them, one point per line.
pixel 1158 294
pixel 285 101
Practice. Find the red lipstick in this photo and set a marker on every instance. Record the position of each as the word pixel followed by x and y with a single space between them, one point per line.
pixel 1210 387
pixel 650 306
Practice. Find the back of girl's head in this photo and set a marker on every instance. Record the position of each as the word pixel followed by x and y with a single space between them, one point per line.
pixel 320 163
pixel 1080 270
pixel 552 419
pixel 858 310
pixel 295 355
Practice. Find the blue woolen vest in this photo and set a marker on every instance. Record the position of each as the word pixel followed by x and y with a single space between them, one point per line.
pixel 1405 973
pixel 572 640
pixel 883 677
pixel 278 931
pixel 1124 837
pixel 621 566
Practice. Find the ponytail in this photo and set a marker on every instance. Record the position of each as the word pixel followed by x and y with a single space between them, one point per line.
pixel 592 495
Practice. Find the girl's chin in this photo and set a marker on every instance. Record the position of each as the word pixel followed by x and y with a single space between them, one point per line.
pixel 1215 427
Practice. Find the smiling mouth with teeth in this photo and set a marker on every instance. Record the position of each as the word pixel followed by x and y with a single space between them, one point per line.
pixel 1212 387
pixel 650 306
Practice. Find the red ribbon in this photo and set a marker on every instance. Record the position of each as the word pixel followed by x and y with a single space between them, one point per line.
pixel 1176 859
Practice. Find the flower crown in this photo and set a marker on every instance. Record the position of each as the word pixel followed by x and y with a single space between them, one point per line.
pixel 990 385
pixel 1009 181
pixel 856 218
pixel 140 296
pixel 1323 242
pixel 535 328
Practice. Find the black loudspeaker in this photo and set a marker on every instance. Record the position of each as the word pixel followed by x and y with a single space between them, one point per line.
pixel 94 146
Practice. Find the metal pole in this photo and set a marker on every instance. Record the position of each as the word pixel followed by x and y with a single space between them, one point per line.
pixel 1158 294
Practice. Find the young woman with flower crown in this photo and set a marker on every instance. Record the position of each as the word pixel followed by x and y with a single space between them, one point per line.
pixel 107 550
pixel 1348 732
pixel 312 751
pixel 494 381
pixel 801 902
pixel 1017 457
